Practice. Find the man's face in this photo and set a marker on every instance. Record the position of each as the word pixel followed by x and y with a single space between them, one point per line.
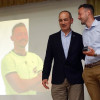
pixel 20 36
pixel 65 21
pixel 83 15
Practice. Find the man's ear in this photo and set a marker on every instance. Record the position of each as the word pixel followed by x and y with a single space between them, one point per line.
pixel 89 12
pixel 12 38
pixel 72 21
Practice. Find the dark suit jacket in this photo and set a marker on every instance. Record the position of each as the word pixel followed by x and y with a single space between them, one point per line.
pixel 70 68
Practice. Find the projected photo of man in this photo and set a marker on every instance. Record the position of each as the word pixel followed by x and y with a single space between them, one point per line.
pixel 21 70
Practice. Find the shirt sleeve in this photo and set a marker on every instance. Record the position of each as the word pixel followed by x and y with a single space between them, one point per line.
pixel 37 62
pixel 7 65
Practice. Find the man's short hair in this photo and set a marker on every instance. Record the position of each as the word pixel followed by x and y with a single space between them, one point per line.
pixel 17 25
pixel 87 6
pixel 70 15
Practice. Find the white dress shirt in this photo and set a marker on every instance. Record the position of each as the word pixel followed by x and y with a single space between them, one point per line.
pixel 91 38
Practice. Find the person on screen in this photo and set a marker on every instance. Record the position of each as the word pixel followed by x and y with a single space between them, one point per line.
pixel 21 70
pixel 91 39
pixel 65 49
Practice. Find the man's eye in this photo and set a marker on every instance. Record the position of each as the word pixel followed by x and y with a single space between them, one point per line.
pixel 63 20
pixel 60 20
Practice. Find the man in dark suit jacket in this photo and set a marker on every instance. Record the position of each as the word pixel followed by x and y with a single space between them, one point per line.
pixel 65 48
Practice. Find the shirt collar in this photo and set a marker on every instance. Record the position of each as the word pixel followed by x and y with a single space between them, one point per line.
pixel 63 34
pixel 95 22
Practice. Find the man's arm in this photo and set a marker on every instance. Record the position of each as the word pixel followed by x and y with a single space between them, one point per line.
pixel 22 85
pixel 47 63
pixel 90 52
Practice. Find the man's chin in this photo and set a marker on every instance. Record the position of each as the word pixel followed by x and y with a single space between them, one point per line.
pixel 82 23
pixel 64 29
pixel 22 46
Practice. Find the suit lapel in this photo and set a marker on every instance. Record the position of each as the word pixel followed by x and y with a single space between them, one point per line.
pixel 71 44
pixel 60 45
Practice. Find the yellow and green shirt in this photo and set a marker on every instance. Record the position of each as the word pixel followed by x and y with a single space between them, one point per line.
pixel 27 67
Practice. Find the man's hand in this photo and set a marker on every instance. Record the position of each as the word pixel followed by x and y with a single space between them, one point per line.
pixel 44 83
pixel 91 52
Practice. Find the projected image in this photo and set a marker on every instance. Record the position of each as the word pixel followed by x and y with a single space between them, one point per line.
pixel 20 69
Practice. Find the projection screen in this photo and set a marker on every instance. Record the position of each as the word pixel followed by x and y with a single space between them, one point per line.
pixel 9 61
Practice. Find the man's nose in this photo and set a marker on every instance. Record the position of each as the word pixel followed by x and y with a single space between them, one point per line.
pixel 63 21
